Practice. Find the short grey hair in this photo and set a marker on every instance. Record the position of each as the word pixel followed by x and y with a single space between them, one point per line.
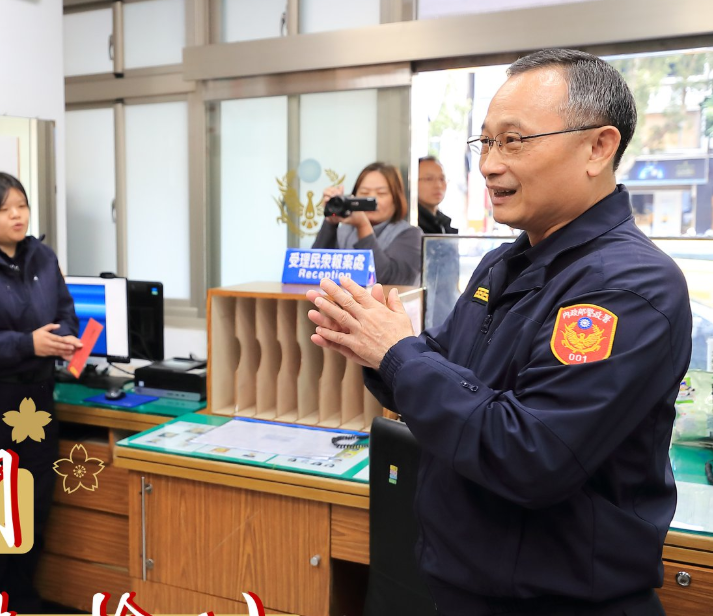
pixel 598 93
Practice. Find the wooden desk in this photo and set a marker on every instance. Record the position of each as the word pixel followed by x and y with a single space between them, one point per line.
pixel 213 530
pixel 87 548
pixel 253 518
pixel 275 533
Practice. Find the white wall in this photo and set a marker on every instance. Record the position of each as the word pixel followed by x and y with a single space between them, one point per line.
pixel 32 79
pixel 184 342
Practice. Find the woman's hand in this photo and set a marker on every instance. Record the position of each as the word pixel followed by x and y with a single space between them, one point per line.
pixel 329 192
pixel 357 219
pixel 48 344
pixel 76 344
pixel 360 222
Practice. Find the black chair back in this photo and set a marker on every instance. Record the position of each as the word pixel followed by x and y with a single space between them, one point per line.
pixel 395 584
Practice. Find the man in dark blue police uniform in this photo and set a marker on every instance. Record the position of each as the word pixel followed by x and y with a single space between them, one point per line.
pixel 544 405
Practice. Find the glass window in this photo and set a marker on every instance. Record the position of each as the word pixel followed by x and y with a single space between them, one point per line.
pixel 428 9
pixel 157 196
pixel 667 166
pixel 154 33
pixel 693 430
pixel 86 43
pixel 91 187
pixel 268 175
pixel 19 157
pixel 253 153
pixel 695 258
pixel 326 15
pixel 448 107
pixel 337 137
pixel 247 20
pixel 448 264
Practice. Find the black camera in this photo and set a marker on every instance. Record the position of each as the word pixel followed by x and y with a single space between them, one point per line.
pixel 343 206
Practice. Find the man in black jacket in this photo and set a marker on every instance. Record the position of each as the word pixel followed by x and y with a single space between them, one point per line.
pixel 545 403
pixel 431 192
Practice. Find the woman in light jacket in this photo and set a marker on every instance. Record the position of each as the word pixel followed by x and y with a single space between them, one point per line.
pixel 395 243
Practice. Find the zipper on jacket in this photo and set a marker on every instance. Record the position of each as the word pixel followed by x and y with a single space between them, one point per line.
pixel 478 342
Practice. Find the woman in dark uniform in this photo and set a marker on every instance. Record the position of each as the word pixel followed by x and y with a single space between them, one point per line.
pixel 37 324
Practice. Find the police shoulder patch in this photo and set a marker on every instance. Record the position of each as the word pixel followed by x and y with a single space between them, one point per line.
pixel 583 333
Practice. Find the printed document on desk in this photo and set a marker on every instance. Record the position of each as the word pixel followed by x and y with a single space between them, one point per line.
pixel 274 438
pixel 182 436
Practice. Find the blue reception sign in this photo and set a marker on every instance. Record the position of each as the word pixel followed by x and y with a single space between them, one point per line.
pixel 303 266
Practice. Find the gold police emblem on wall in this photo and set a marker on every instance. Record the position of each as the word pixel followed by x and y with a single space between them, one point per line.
pixel 303 219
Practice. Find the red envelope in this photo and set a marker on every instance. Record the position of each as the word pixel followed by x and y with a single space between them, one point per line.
pixel 89 339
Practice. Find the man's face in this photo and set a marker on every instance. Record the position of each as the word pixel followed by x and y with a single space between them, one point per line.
pixel 544 185
pixel 431 183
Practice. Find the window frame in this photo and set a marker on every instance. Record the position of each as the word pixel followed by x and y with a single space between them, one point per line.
pixel 297 63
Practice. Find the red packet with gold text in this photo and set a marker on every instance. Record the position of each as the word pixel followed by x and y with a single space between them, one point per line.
pixel 89 339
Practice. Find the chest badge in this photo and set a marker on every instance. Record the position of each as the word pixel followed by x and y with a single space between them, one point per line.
pixel 583 333
pixel 481 295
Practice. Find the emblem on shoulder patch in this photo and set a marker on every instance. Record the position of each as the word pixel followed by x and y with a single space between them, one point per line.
pixel 583 333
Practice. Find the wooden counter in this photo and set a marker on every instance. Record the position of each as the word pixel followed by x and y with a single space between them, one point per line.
pixel 275 533
pixel 213 531
pixel 256 516
pixel 107 418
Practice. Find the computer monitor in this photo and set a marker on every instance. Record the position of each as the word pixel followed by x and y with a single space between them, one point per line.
pixel 106 301
pixel 146 320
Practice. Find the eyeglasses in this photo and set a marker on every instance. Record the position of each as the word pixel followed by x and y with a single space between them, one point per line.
pixel 511 142
pixel 432 179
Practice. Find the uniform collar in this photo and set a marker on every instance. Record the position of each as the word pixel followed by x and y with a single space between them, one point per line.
pixel 608 213
pixel 605 215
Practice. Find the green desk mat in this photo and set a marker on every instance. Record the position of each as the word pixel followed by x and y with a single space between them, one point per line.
pixel 357 473
pixel 75 394
pixel 688 462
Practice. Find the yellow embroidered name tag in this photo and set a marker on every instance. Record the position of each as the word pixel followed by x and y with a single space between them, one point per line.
pixel 482 295
pixel 583 333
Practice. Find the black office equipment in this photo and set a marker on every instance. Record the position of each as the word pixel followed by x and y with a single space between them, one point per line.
pixel 395 583
pixel 177 378
pixel 146 320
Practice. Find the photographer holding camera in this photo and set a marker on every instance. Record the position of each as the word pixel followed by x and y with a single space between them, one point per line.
pixel 395 243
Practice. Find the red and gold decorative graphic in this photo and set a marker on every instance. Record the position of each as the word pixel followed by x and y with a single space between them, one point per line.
pixel 127 605
pixel 583 333
pixel 16 507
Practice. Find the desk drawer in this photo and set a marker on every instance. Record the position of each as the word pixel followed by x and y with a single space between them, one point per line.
pixel 350 534
pixel 110 496
pixel 693 600
pixel 88 535
pixel 158 598
pixel 72 582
